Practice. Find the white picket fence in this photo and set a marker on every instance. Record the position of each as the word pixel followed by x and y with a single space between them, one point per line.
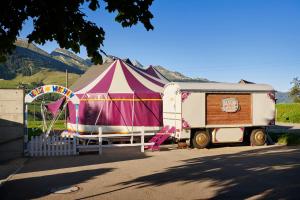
pixel 52 146
pixel 63 146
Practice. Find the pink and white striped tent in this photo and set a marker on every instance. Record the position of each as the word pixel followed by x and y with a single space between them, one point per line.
pixel 155 73
pixel 123 98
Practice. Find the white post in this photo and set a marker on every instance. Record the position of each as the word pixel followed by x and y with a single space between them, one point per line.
pixel 31 146
pixel 48 146
pixel 143 140
pixel 74 144
pixel 36 145
pixel 100 140
pixel 44 145
pixel 26 130
pixel 52 146
pixel 65 146
pixel 58 145
pixel 40 145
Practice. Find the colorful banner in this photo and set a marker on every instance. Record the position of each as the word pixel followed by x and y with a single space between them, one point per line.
pixel 33 94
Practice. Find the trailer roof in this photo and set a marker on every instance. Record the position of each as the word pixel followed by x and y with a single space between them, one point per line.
pixel 220 87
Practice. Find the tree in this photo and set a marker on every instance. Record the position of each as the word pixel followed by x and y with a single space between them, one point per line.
pixel 65 22
pixel 295 90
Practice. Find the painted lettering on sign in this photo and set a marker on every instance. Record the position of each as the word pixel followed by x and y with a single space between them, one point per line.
pixel 51 88
pixel 230 105
pixel 33 94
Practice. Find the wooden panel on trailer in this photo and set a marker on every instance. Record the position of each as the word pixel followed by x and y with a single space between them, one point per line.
pixel 216 116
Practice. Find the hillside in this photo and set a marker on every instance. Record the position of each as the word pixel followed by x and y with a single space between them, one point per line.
pixel 29 66
pixel 283 97
pixel 27 59
pixel 70 58
pixel 177 76
pixel 41 77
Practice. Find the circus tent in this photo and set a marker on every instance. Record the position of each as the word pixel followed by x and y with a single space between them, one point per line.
pixel 155 73
pixel 122 98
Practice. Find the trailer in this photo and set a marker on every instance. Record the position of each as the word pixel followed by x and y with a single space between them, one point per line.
pixel 205 113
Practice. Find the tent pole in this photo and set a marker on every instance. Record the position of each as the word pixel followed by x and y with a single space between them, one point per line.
pixel 66 121
pixel 132 118
pixel 34 112
pixel 77 117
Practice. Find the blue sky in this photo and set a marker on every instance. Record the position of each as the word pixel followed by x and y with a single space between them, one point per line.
pixel 221 40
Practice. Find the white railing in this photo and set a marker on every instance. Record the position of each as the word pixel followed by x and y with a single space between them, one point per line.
pixel 52 146
pixel 61 146
pixel 100 137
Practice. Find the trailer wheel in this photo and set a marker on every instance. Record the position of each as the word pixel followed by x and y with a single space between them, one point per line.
pixel 258 137
pixel 201 139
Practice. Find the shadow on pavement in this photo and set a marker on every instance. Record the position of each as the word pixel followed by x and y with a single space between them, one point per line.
pixel 40 175
pixel 263 173
pixel 108 156
pixel 36 187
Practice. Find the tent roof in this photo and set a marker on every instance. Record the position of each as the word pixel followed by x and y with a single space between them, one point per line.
pixel 120 77
pixel 91 74
pixel 154 72
pixel 246 82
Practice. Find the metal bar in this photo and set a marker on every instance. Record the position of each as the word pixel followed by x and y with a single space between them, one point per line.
pixel 113 145
pixel 112 135
pixel 125 135
pixel 88 136
pixel 128 145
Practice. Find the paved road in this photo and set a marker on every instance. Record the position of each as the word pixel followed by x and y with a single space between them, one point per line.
pixel 269 172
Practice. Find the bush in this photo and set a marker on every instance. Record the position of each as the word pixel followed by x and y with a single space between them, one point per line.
pixel 289 139
pixel 285 138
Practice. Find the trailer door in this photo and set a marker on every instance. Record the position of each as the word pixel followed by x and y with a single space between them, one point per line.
pixel 172 108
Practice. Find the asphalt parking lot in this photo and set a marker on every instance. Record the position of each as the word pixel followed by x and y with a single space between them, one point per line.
pixel 217 173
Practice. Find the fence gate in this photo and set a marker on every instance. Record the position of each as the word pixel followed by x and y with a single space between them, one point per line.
pixel 52 146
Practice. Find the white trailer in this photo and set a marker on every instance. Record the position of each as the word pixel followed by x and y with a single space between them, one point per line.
pixel 205 113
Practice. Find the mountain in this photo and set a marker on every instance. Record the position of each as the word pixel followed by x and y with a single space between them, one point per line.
pixel 177 76
pixel 137 64
pixel 28 59
pixel 283 97
pixel 30 65
pixel 70 59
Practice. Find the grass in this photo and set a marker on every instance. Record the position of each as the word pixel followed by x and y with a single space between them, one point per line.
pixel 288 113
pixel 45 76
pixel 35 127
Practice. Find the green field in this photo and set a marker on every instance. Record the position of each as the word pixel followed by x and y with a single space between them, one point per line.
pixel 35 127
pixel 289 113
pixel 44 76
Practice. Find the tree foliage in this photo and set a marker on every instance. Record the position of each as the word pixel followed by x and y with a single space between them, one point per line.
pixel 295 90
pixel 65 22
